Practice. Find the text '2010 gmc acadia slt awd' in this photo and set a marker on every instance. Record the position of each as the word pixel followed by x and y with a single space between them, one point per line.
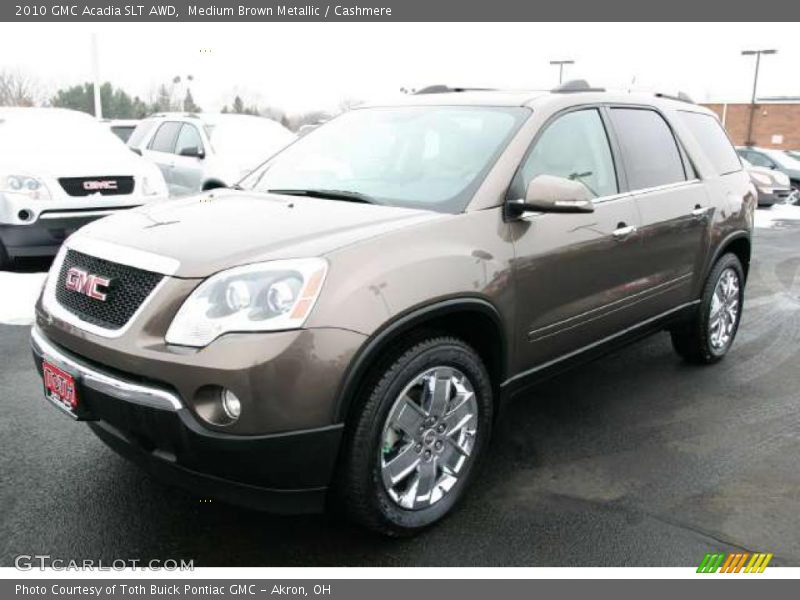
pixel 343 324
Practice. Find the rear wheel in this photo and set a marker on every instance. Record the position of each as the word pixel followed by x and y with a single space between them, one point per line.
pixel 423 425
pixel 709 335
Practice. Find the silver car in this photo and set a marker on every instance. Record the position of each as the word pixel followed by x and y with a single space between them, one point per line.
pixel 202 151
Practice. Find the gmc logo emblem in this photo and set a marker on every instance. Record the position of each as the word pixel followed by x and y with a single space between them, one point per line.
pixel 87 284
pixel 100 184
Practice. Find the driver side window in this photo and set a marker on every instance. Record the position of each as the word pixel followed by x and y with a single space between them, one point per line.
pixel 188 138
pixel 574 147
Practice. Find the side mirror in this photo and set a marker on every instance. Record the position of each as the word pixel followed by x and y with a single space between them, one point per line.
pixel 548 193
pixel 192 151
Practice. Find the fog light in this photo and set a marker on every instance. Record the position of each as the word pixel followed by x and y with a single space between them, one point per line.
pixel 231 404
pixel 24 215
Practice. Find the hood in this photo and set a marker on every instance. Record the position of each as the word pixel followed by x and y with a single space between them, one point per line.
pixel 78 164
pixel 226 228
pixel 761 174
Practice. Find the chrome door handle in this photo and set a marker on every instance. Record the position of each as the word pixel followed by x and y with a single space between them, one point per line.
pixel 700 211
pixel 624 232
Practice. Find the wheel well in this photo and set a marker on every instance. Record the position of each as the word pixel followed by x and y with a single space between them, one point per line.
pixel 212 184
pixel 741 248
pixel 479 327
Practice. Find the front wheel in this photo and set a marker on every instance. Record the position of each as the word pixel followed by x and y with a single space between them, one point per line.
pixel 422 427
pixel 709 335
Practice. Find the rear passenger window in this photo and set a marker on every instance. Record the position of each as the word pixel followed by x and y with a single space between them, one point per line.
pixel 574 147
pixel 712 139
pixel 164 139
pixel 649 149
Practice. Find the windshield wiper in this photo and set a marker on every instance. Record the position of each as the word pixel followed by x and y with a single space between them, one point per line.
pixel 345 195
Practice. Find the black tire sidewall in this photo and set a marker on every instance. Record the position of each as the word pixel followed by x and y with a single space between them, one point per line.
pixel 440 352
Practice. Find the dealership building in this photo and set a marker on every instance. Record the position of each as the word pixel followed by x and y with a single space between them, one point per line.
pixel 776 122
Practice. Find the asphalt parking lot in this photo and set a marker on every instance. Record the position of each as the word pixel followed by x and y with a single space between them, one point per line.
pixel 637 460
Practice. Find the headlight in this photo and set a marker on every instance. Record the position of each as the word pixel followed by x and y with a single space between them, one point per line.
pixel 151 186
pixel 760 178
pixel 265 296
pixel 781 179
pixel 25 185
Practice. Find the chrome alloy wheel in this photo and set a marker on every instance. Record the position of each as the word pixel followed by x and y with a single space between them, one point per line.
pixel 724 312
pixel 428 437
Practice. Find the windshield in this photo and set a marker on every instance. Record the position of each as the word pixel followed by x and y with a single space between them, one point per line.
pixel 784 160
pixel 420 157
pixel 55 133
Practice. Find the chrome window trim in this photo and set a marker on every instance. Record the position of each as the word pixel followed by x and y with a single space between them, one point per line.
pixel 101 382
pixel 54 308
pixel 666 186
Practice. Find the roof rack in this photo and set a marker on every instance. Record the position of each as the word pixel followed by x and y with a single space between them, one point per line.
pixel 681 97
pixel 444 89
pixel 575 85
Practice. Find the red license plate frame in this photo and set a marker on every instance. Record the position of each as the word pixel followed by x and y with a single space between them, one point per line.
pixel 60 387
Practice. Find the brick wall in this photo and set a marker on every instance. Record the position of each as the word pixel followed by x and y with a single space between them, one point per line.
pixel 769 123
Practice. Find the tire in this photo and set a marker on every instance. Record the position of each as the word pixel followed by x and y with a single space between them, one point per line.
pixel 387 426
pixel 702 340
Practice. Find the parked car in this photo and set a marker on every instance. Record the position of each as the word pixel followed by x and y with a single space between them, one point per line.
pixel 60 169
pixel 773 187
pixel 795 154
pixel 777 160
pixel 202 151
pixel 345 325
pixel 122 128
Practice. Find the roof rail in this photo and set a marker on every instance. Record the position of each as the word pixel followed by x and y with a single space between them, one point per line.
pixel 444 89
pixel 681 97
pixel 575 85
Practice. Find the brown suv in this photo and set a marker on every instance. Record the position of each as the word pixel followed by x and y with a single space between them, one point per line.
pixel 343 325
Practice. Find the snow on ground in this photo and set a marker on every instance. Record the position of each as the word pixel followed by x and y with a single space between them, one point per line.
pixel 771 217
pixel 18 294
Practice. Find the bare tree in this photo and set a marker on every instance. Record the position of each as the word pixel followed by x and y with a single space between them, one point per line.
pixel 18 88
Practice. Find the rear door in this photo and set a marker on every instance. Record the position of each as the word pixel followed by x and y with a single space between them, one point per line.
pixel 674 206
pixel 161 150
pixel 576 275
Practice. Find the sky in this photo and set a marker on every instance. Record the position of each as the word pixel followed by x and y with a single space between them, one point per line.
pixel 306 66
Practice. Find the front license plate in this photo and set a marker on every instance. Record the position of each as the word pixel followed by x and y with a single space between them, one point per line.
pixel 60 388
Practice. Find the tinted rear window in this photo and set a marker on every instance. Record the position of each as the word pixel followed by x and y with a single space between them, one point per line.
pixel 712 139
pixel 648 147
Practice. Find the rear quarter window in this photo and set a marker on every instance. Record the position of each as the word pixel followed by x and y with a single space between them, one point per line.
pixel 713 140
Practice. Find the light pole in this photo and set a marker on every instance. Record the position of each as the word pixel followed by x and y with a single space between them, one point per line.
pixel 749 141
pixel 561 64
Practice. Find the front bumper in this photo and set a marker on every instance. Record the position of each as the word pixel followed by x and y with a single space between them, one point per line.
pixel 44 236
pixel 149 424
pixel 770 196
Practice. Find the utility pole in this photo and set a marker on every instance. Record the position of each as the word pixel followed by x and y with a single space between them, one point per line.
pixel 757 53
pixel 98 105
pixel 561 64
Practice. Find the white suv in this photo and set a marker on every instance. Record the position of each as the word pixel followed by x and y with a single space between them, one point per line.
pixel 60 169
pixel 203 151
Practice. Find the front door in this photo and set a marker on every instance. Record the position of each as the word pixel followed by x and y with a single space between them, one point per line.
pixel 577 275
